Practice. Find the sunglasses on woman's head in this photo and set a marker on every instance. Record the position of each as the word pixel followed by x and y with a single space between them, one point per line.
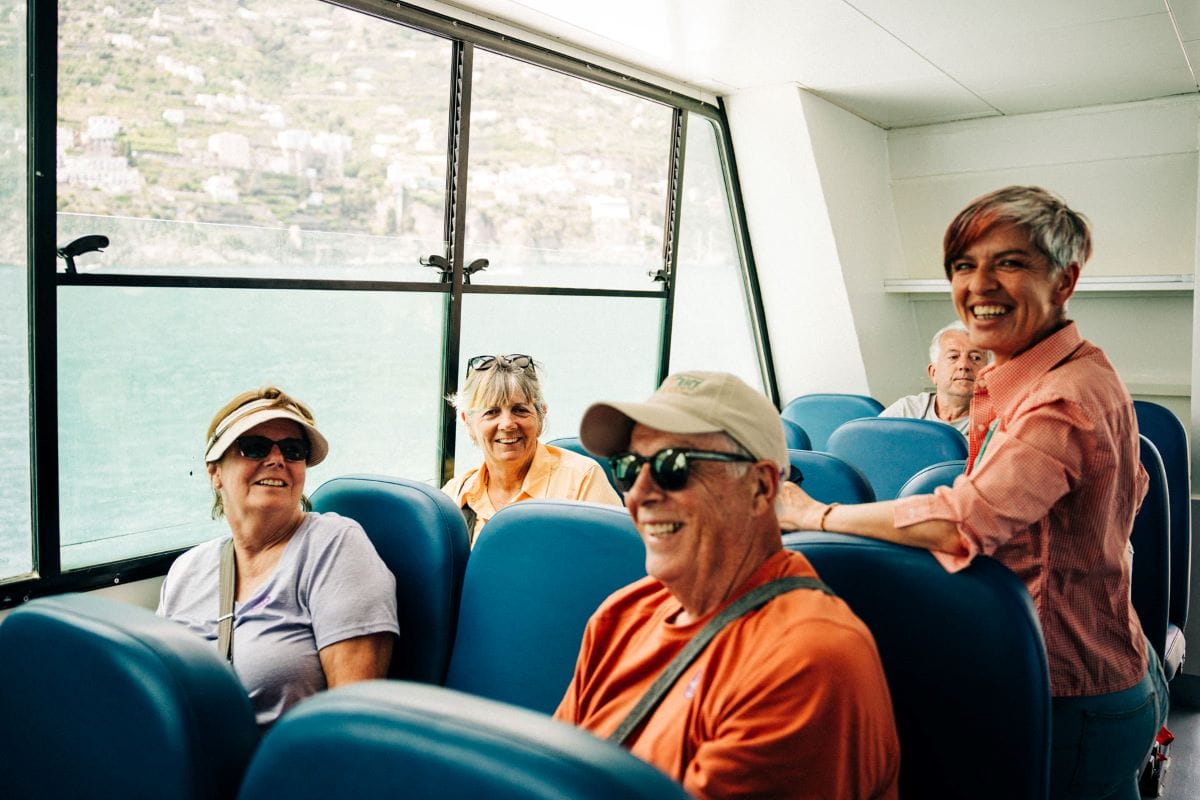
pixel 257 448
pixel 515 360
pixel 669 467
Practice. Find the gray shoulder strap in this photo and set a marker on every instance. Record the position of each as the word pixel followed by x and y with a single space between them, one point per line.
pixel 756 598
pixel 225 602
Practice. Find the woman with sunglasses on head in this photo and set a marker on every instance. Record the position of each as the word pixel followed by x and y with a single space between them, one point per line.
pixel 311 604
pixel 502 408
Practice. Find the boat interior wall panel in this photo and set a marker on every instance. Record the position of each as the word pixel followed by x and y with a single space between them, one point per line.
pixel 806 302
pixel 142 593
pixel 1132 169
pixel 852 164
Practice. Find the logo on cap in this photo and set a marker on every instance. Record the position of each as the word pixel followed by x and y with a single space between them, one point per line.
pixel 684 384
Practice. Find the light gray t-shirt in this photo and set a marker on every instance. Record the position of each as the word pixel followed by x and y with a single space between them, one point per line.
pixel 329 585
pixel 920 406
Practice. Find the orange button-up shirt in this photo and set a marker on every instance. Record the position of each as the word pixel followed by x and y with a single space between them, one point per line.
pixel 1053 496
pixel 554 474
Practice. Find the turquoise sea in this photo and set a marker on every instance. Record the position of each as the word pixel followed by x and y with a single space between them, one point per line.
pixel 142 370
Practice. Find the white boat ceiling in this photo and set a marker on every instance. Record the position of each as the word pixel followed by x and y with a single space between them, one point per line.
pixel 896 63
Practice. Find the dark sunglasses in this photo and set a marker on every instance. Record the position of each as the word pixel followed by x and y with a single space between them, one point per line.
pixel 516 360
pixel 669 467
pixel 259 447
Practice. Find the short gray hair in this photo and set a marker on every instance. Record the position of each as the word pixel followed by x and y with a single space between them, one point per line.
pixel 1058 231
pixel 935 344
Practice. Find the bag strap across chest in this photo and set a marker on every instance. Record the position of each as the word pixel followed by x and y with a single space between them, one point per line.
pixel 754 599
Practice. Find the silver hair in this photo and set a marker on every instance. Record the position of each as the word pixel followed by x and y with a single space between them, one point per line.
pixel 1058 231
pixel 935 344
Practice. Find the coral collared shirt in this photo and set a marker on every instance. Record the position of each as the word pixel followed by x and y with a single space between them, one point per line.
pixel 554 474
pixel 1053 496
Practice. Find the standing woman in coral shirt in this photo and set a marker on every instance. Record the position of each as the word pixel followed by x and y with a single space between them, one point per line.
pixel 1052 484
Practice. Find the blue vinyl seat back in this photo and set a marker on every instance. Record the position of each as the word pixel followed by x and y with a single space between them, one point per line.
pixel 1151 540
pixel 929 478
pixel 573 444
pixel 1162 427
pixel 796 437
pixel 830 479
pixel 821 414
pixel 890 450
pixel 537 572
pixel 965 664
pixel 419 742
pixel 104 699
pixel 422 538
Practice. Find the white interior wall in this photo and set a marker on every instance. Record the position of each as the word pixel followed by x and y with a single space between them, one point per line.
pixel 852 164
pixel 138 593
pixel 806 300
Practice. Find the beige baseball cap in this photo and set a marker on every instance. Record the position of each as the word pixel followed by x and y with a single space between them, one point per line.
pixel 245 417
pixel 691 402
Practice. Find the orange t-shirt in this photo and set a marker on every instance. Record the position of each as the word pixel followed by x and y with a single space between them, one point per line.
pixel 788 701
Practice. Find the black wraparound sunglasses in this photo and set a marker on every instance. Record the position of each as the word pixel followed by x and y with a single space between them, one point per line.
pixel 515 360
pixel 669 467
pixel 259 447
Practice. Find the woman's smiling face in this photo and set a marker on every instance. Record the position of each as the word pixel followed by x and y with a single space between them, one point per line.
pixel 1005 294
pixel 507 433
pixel 265 486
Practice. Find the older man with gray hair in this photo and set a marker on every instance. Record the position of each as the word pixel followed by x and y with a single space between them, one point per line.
pixel 778 690
pixel 953 362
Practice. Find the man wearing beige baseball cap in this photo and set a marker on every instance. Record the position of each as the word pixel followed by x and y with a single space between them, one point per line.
pixel 778 690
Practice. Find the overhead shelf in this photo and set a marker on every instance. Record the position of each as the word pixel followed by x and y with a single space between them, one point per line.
pixel 1178 284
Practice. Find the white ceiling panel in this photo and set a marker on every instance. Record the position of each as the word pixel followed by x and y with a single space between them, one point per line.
pixel 896 63
pixel 1187 18
pixel 919 101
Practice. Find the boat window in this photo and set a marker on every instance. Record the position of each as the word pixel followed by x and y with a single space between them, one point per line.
pixel 708 331
pixel 142 370
pixel 568 180
pixel 590 348
pixel 285 138
pixel 16 541
pixel 345 200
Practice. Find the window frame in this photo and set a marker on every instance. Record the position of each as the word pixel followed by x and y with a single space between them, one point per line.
pixel 44 279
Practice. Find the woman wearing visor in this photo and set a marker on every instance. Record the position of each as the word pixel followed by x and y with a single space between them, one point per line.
pixel 312 606
pixel 502 408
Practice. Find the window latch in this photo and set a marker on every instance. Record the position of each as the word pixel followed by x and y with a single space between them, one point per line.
pixel 478 265
pixel 93 243
pixel 439 263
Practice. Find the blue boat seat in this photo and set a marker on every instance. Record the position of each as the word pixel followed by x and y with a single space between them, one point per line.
pixel 1162 427
pixel 890 450
pixel 573 444
pixel 537 572
pixel 820 414
pixel 419 742
pixel 105 699
pixel 965 663
pixel 929 478
pixel 796 437
pixel 1151 540
pixel 830 479
pixel 422 538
